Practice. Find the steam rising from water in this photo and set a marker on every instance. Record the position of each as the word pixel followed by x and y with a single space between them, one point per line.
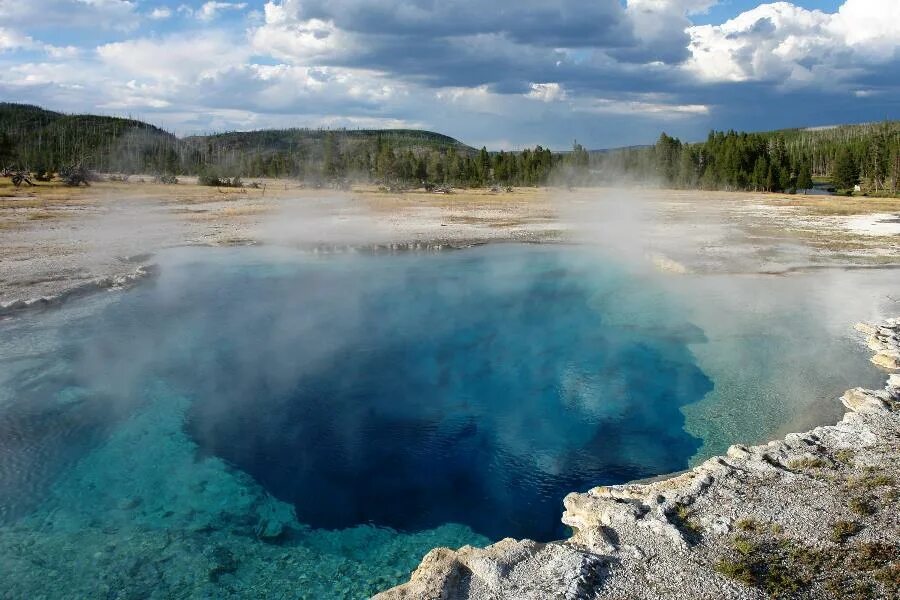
pixel 771 339
pixel 335 220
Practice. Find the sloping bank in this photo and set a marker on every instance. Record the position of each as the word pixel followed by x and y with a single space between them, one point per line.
pixel 812 516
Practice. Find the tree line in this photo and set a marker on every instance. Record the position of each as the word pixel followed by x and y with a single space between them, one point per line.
pixel 843 157
pixel 45 142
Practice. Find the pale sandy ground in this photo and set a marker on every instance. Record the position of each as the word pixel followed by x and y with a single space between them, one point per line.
pixel 54 239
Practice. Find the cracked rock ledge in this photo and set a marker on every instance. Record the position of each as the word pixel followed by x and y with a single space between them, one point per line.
pixel 812 516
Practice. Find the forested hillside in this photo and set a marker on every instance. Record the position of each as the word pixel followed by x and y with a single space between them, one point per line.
pixel 310 153
pixel 39 140
pixel 43 141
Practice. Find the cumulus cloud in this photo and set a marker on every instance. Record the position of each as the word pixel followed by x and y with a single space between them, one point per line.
pixel 176 58
pixel 789 45
pixel 870 27
pixel 301 41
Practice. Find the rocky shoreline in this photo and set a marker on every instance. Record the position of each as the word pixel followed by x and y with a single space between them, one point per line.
pixel 117 281
pixel 811 516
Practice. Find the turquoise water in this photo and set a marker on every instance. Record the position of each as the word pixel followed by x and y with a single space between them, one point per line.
pixel 259 423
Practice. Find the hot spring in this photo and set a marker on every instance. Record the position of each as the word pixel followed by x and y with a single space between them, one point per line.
pixel 256 422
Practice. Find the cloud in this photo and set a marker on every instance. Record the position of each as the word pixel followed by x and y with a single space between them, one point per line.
pixel 182 58
pixel 571 23
pixel 13 40
pixel 302 41
pixel 62 52
pixel 660 29
pixel 644 107
pixel 315 91
pixel 210 10
pixel 160 13
pixel 788 45
pixel 547 92
pixel 870 27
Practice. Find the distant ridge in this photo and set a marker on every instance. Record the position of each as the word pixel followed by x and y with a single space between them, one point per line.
pixel 286 138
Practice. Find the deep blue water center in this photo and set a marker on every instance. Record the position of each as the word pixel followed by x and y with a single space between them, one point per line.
pixel 476 387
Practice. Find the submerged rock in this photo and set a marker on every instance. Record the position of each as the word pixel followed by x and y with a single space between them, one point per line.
pixel 884 340
pixel 810 516
pixel 861 400
pixel 221 561
pixel 275 518
pixel 865 328
pixel 894 382
pixel 887 360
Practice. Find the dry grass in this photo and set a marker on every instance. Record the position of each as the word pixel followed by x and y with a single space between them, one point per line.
pixel 230 212
pixel 42 215
pixel 838 205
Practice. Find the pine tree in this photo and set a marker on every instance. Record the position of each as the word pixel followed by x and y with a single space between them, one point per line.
pixel 804 176
pixel 786 180
pixel 845 172
pixel 484 166
pixel 760 169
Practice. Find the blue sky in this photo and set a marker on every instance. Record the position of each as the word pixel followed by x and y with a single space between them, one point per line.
pixel 505 74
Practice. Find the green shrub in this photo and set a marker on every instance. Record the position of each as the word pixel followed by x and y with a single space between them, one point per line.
pixel 737 570
pixel 841 531
pixel 682 517
pixel 845 456
pixel 743 546
pixel 861 506
pixel 746 524
pixel 806 463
